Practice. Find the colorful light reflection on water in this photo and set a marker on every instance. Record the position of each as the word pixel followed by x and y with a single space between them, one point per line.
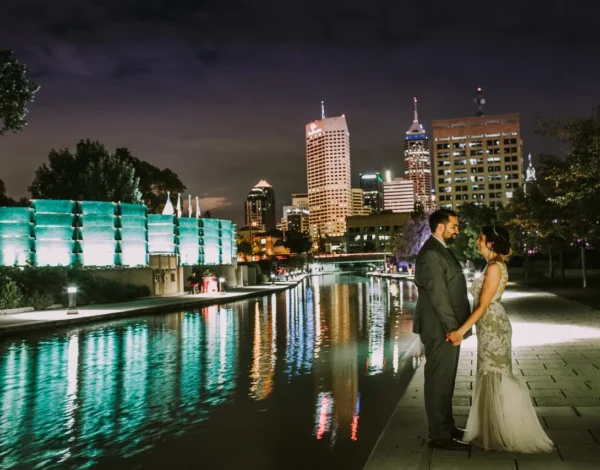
pixel 318 368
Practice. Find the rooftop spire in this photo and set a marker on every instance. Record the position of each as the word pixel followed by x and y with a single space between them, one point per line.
pixel 416 113
pixel 479 101
pixel 168 209
pixel 322 110
pixel 415 128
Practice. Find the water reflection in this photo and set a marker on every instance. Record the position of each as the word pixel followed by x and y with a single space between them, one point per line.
pixel 74 398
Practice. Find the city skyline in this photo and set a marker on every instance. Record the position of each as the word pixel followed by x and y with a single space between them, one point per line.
pixel 207 89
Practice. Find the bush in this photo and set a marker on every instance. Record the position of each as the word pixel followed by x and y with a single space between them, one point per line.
pixel 39 299
pixel 10 293
pixel 41 287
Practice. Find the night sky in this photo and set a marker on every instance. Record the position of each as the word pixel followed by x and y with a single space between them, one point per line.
pixel 220 91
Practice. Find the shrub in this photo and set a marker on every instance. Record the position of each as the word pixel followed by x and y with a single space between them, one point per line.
pixel 39 299
pixel 41 287
pixel 10 293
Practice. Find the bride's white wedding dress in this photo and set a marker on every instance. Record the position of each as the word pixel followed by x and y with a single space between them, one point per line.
pixel 502 416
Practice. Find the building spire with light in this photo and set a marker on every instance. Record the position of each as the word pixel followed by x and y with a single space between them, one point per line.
pixel 416 113
pixel 322 110
pixel 529 174
pixel 415 128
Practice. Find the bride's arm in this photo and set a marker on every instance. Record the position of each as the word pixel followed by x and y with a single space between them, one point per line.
pixel 493 273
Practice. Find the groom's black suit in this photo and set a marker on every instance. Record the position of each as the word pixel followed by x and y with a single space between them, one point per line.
pixel 442 307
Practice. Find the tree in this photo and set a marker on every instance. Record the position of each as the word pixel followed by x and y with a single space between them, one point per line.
pixel 7 201
pixel 4 199
pixel 535 222
pixel 576 184
pixel 92 173
pixel 471 218
pixel 154 182
pixel 418 210
pixel 406 245
pixel 296 242
pixel 17 90
pixel 244 248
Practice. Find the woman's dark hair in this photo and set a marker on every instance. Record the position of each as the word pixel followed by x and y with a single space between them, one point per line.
pixel 499 238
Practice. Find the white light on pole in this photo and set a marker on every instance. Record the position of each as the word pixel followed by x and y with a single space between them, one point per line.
pixel 221 281
pixel 72 309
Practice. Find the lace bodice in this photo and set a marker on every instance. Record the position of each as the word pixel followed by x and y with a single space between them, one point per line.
pixel 494 331
pixel 477 284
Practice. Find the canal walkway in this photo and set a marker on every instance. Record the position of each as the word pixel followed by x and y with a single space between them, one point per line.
pixel 19 322
pixel 556 347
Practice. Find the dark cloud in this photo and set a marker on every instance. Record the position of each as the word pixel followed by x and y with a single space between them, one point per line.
pixel 219 91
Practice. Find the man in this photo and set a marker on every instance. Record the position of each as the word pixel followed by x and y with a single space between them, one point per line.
pixel 442 307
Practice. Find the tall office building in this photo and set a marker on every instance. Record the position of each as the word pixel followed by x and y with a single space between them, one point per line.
pixel 328 176
pixel 300 200
pixel 297 220
pixel 417 161
pixel 478 159
pixel 399 195
pixel 372 185
pixel 260 207
pixel 358 202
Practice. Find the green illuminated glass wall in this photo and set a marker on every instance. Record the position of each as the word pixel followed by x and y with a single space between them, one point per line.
pixel 96 233
pixel 133 234
pixel 162 234
pixel 189 241
pixel 211 233
pixel 16 236
pixel 55 232
pixel 97 240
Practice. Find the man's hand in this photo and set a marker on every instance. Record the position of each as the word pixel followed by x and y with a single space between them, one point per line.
pixel 455 337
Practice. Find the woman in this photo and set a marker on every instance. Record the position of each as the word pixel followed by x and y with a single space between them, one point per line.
pixel 502 416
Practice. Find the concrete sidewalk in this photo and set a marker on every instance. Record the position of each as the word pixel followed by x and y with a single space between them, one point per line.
pixel 19 322
pixel 556 347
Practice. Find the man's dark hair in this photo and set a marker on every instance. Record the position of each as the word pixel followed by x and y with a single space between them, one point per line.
pixel 441 216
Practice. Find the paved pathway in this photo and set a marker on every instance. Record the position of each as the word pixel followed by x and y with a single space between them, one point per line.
pixel 16 323
pixel 556 347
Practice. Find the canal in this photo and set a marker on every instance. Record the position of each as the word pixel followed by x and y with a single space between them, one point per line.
pixel 306 378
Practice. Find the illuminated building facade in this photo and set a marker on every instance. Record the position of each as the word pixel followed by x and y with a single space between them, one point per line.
pixel 399 195
pixel 328 176
pixel 260 207
pixel 95 233
pixel 297 220
pixel 372 185
pixel 375 232
pixel 417 162
pixel 358 202
pixel 478 159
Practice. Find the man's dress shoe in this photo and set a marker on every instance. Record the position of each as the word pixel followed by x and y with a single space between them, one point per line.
pixel 448 444
pixel 457 433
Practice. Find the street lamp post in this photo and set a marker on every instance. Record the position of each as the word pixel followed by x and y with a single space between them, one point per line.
pixel 72 309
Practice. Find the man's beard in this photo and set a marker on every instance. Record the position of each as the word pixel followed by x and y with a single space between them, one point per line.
pixel 451 240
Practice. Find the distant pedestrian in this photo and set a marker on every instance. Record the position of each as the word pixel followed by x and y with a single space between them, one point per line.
pixel 194 283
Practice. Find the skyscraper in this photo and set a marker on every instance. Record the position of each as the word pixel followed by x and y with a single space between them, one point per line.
pixel 328 176
pixel 478 159
pixel 300 200
pixel 417 161
pixel 372 185
pixel 260 207
pixel 358 202
pixel 399 195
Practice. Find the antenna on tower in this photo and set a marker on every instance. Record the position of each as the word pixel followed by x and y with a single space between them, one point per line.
pixel 479 101
pixel 416 114
pixel 322 110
